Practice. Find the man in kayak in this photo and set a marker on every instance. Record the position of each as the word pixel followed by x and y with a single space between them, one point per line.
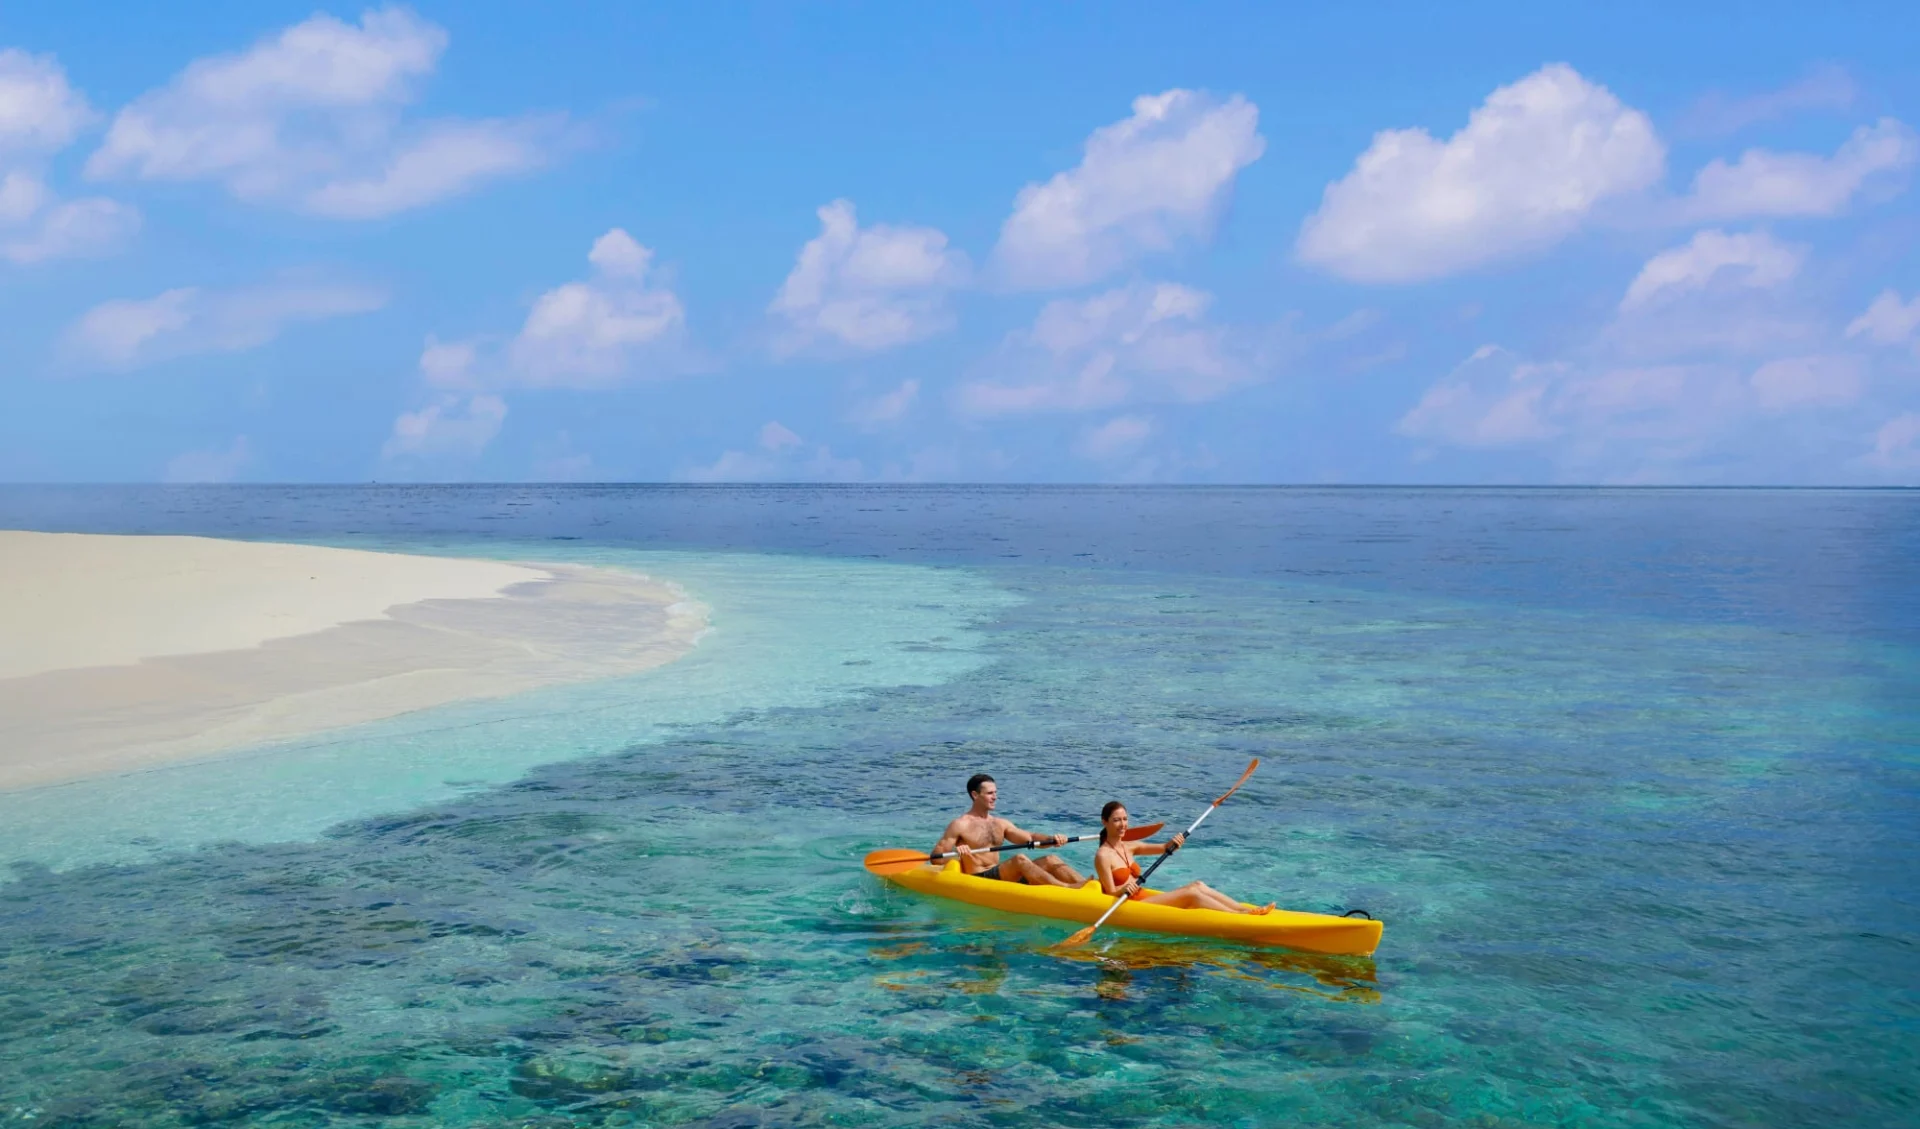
pixel 977 834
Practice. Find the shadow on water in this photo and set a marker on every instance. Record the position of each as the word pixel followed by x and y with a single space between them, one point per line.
pixel 969 949
pixel 1340 979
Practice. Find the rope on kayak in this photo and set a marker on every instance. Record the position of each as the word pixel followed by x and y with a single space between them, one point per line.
pixel 1361 912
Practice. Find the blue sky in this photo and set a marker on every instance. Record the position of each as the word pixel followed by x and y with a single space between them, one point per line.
pixel 1448 244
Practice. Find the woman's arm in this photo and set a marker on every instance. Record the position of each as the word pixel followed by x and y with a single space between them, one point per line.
pixel 1166 848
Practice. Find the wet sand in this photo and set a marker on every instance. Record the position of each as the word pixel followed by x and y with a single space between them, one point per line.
pixel 124 653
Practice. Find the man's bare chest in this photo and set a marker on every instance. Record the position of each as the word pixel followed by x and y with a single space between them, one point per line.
pixel 979 833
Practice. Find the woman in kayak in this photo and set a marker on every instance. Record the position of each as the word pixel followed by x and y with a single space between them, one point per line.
pixel 1120 874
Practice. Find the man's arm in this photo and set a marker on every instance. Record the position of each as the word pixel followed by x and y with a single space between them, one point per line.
pixel 1020 837
pixel 949 839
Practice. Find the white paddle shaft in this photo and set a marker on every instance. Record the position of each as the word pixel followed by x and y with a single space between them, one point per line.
pixel 1122 899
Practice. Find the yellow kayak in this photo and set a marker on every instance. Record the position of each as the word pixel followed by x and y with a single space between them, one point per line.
pixel 1307 932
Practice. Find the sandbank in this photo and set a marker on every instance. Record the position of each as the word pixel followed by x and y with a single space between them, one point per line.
pixel 119 654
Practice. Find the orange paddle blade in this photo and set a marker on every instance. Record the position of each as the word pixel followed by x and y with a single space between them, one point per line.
pixel 1237 783
pixel 1077 939
pixel 897 860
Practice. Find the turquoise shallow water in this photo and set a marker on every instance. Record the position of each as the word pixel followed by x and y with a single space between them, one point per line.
pixel 1645 854
pixel 787 632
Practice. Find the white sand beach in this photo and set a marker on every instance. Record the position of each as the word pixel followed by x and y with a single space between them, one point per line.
pixel 119 653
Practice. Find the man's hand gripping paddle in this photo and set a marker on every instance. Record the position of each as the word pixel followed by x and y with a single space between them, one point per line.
pixel 899 860
pixel 1086 934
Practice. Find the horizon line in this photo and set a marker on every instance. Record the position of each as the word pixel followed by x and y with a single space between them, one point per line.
pixel 791 484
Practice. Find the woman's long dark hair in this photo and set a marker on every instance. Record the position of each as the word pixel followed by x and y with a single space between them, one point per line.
pixel 1106 810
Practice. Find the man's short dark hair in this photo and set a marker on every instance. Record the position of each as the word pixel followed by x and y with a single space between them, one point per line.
pixel 977 779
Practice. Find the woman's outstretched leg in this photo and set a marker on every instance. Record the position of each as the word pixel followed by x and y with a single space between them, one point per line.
pixel 1199 895
pixel 1211 898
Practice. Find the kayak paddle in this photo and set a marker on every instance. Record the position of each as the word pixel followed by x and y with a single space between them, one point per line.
pixel 899 860
pixel 1086 934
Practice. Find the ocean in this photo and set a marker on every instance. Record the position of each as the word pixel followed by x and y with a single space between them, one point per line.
pixel 1631 776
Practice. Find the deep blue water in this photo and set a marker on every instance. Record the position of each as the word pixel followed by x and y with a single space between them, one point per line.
pixel 1631 776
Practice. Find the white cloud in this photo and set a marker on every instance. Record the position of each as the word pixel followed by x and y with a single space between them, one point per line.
pixel 1889 321
pixel 21 195
pixel 91 226
pixel 618 255
pixel 868 289
pixel 1719 322
pixel 1531 164
pixel 1896 445
pixel 115 332
pixel 448 159
pixel 1354 324
pixel 313 119
pixel 39 115
pixel 617 324
pixel 459 421
pixel 1824 87
pixel 1765 183
pixel 598 332
pixel 275 115
pixel 186 321
pixel 1705 385
pixel 783 457
pixel 889 407
pixel 1115 438
pixel 1615 394
pixel 1754 259
pixel 212 465
pixel 775 436
pixel 1145 183
pixel 448 364
pixel 455 425
pixel 1149 341
pixel 1812 381
pixel 1489 400
pixel 1593 419
pixel 39 111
